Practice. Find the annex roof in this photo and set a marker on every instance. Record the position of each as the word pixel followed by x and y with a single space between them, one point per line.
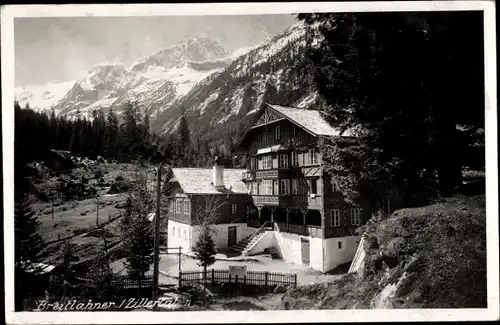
pixel 199 181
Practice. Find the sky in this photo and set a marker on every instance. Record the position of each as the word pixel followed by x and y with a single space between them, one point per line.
pixel 64 49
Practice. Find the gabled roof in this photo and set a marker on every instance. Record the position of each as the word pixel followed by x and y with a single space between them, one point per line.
pixel 199 181
pixel 309 119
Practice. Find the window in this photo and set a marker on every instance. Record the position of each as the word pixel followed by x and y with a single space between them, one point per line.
pixel 335 217
pixel 252 163
pixel 283 161
pixel 171 205
pixel 276 186
pixel 307 158
pixel 266 187
pixel 294 131
pixel 295 159
pixel 260 163
pixel 301 158
pixel 264 138
pixel 187 207
pixel 185 234
pixel 334 186
pixel 178 206
pixel 173 231
pixel 339 243
pixel 314 156
pixel 295 186
pixel 179 234
pixel 254 188
pixel 233 208
pixel 313 186
pixel 268 162
pixel 277 133
pixel 355 216
pixel 284 186
pixel 275 162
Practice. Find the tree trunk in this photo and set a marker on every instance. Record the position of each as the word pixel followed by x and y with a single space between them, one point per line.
pixel 205 278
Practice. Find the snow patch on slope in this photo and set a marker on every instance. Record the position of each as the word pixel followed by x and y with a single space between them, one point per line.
pixel 42 97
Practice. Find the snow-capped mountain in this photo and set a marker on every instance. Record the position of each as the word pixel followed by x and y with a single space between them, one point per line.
pixel 219 91
pixel 274 71
pixel 42 97
pixel 153 82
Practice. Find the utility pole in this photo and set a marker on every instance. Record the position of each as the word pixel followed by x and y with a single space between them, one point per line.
pixel 52 200
pixel 97 217
pixel 156 260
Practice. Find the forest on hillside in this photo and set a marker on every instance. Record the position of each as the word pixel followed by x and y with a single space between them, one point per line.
pixel 127 140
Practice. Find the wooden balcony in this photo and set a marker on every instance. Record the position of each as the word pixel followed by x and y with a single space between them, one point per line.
pixel 303 230
pixel 272 173
pixel 273 200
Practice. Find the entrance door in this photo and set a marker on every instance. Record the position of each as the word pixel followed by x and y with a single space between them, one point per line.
pixel 231 236
pixel 305 251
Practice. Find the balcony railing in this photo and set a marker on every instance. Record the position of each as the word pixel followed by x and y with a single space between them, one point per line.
pixel 267 199
pixel 303 230
pixel 273 173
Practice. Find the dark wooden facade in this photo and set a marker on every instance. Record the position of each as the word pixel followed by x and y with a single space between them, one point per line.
pixel 192 208
pixel 297 187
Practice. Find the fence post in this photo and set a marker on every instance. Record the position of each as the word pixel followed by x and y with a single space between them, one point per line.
pixel 180 279
pixel 245 279
pixel 295 280
pixel 180 252
pixel 213 275
pixel 265 282
pixel 236 279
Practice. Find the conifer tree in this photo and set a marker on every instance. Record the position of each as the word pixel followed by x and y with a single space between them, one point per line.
pixel 396 78
pixel 205 250
pixel 99 130
pixel 184 130
pixel 137 231
pixel 111 135
pixel 27 246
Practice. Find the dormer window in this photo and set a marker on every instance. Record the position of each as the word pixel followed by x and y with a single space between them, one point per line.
pixel 277 133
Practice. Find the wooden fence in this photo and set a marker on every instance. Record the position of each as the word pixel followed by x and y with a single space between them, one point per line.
pixel 124 282
pixel 250 278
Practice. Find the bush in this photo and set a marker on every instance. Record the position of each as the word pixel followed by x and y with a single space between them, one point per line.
pixel 79 231
pixel 119 187
pixel 273 251
pixel 119 178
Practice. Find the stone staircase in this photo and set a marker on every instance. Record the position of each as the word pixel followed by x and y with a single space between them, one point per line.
pixel 245 244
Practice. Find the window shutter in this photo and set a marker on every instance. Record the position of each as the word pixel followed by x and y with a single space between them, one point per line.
pixel 301 159
pixel 275 162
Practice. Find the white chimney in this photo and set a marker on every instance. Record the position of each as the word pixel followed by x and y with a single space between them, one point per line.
pixel 218 174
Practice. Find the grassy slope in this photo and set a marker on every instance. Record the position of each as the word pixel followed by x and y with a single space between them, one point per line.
pixel 79 216
pixel 437 258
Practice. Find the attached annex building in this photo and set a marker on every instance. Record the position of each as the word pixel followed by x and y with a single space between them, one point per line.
pixel 283 199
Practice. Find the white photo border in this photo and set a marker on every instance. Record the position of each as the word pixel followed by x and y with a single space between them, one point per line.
pixel 8 13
